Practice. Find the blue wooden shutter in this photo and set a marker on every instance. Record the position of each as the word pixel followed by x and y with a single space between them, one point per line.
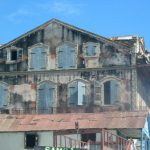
pixel 33 59
pixel 5 55
pixel 115 91
pixel 3 95
pixel 46 97
pixel 81 93
pixel 19 54
pixel 73 93
pixel 42 58
pixel 61 57
pixel 71 57
pixel 91 49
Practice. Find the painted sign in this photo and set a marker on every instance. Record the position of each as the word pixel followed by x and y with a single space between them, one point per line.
pixel 56 148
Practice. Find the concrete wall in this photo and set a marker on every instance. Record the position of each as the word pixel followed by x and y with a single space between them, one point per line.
pixel 15 141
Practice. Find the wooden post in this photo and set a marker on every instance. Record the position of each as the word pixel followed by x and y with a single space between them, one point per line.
pixel 102 139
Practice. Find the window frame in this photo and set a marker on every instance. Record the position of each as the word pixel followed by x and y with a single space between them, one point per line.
pixel 96 53
pixel 101 86
pixel 74 60
pixel 36 139
pixel 54 102
pixel 85 100
pixel 39 45
pixel 8 54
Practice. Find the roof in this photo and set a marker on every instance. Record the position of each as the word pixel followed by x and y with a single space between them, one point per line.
pixel 58 122
pixel 98 37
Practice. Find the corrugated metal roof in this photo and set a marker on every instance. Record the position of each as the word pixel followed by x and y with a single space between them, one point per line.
pixel 111 120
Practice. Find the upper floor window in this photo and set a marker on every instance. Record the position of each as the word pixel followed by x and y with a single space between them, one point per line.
pixel 77 93
pixel 66 56
pixel 3 95
pixel 46 96
pixel 111 92
pixel 90 49
pixel 13 54
pixel 38 58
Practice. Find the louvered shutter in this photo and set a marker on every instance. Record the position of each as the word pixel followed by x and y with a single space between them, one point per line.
pixel 97 91
pixel 5 55
pixel 42 58
pixel 19 54
pixel 33 59
pixel 46 97
pixel 115 90
pixel 91 49
pixel 61 57
pixel 81 93
pixel 3 95
pixel 71 57
pixel 73 93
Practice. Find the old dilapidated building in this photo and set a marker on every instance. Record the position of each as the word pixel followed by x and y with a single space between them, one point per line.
pixel 59 68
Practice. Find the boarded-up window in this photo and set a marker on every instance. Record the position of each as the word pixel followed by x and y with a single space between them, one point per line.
pixel 66 56
pixel 91 49
pixel 46 93
pixel 37 59
pixel 111 92
pixel 77 93
pixel 3 95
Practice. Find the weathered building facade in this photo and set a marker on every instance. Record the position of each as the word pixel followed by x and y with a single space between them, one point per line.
pixel 59 68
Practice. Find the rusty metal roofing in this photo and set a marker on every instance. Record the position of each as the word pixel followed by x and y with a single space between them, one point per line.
pixel 57 122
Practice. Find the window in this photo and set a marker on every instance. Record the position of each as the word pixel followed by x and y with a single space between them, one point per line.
pixel 46 93
pixel 13 54
pixel 3 95
pixel 66 56
pixel 31 140
pixel 38 58
pixel 77 93
pixel 90 49
pixel 111 92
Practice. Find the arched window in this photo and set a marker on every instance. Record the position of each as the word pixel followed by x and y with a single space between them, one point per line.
pixel 46 95
pixel 66 56
pixel 3 95
pixel 111 92
pixel 37 58
pixel 77 92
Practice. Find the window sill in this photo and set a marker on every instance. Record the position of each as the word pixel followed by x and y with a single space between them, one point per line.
pixel 11 61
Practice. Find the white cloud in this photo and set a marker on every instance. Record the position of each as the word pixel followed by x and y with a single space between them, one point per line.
pixel 18 15
pixel 55 7
pixel 62 7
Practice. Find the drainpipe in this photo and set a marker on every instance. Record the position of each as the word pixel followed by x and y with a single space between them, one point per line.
pixel 102 139
pixel 141 139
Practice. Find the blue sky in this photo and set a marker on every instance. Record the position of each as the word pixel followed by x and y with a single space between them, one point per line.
pixel 105 17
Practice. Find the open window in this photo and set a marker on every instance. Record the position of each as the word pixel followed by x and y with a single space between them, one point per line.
pixel 13 54
pixel 31 140
pixel 77 93
pixel 111 92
